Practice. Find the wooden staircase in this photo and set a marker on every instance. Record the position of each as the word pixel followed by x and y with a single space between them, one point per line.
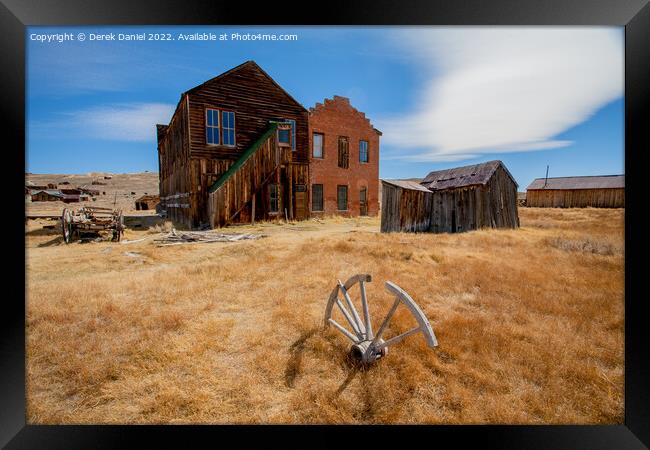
pixel 236 188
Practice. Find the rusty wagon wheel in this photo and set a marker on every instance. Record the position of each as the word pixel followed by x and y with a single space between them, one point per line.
pixel 367 346
pixel 66 225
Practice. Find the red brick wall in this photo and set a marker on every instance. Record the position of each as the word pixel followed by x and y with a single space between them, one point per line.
pixel 334 118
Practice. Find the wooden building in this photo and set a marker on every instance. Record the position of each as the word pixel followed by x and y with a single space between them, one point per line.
pixel 606 191
pixel 147 202
pixel 459 199
pixel 406 206
pixel 236 149
pixel 47 195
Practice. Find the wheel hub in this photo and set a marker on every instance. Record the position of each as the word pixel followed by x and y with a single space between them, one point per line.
pixel 367 346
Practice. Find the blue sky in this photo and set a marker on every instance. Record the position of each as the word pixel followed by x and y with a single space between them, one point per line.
pixel 443 97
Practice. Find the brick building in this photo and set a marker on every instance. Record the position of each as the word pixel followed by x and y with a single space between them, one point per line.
pixel 343 160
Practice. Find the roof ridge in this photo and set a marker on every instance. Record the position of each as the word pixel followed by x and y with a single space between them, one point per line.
pixel 580 176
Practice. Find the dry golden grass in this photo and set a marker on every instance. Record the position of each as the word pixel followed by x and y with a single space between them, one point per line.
pixel 529 324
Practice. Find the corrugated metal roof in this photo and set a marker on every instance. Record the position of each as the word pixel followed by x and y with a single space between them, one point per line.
pixel 405 184
pixel 587 182
pixel 463 176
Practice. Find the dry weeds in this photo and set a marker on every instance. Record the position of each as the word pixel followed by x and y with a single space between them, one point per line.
pixel 529 322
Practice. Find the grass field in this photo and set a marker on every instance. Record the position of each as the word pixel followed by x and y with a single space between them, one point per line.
pixel 530 324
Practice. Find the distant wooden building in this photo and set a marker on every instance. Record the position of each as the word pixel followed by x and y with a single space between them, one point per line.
pixel 53 195
pixel 236 149
pixel 607 191
pixel 147 202
pixel 458 199
pixel 47 195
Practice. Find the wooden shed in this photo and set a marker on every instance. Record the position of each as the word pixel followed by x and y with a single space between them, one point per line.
pixel 606 191
pixel 472 197
pixel 453 200
pixel 147 202
pixel 47 195
pixel 406 206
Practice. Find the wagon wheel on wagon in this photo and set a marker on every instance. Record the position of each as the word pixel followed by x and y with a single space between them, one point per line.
pixel 368 346
pixel 66 225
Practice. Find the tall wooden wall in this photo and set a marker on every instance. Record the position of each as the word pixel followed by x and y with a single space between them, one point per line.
pixel 405 209
pixel 257 172
pixel 576 198
pixel 174 166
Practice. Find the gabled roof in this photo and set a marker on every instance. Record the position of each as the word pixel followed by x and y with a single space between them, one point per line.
pixel 476 174
pixel 52 192
pixel 407 184
pixel 586 182
pixel 251 64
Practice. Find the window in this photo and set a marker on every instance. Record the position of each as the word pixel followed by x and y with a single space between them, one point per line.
pixel 228 126
pixel 293 133
pixel 363 151
pixel 344 152
pixel 342 198
pixel 317 150
pixel 287 136
pixel 316 197
pixel 273 198
pixel 212 126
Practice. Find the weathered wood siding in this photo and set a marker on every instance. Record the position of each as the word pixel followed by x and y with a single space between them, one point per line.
pixel 576 198
pixel 404 209
pixel 257 172
pixel 173 160
pixel 255 99
pixel 493 205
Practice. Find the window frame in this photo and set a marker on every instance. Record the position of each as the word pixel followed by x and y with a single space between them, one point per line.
pixel 347 197
pixel 223 129
pixel 322 197
pixel 280 142
pixel 292 133
pixel 367 160
pixel 322 145
pixel 274 187
pixel 217 127
pixel 347 156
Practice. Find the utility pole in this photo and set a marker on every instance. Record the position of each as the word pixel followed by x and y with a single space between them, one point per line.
pixel 546 179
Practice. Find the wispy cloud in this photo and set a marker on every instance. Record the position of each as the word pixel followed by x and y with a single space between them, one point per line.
pixel 503 89
pixel 134 122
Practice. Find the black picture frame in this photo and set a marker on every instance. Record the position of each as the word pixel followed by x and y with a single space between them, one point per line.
pixel 634 15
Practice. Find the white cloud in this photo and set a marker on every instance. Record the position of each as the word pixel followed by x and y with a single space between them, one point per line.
pixel 504 89
pixel 134 122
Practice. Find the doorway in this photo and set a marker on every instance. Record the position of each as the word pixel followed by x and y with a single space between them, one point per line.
pixel 363 201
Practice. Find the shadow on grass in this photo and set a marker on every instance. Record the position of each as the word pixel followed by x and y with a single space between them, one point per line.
pixel 52 242
pixel 351 365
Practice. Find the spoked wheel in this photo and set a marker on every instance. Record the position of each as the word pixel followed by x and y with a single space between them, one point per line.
pixel 367 346
pixel 66 225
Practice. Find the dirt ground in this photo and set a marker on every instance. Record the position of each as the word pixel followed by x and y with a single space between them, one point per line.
pixel 530 325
